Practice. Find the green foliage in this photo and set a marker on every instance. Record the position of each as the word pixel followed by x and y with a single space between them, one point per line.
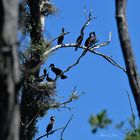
pixel 133 134
pixel 99 121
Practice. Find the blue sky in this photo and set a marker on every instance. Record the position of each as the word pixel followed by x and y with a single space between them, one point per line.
pixel 104 85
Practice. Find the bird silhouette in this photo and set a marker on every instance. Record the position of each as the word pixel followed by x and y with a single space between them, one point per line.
pixel 57 71
pixel 41 78
pixel 91 40
pixel 50 125
pixel 79 40
pixel 49 79
pixel 45 72
pixel 61 37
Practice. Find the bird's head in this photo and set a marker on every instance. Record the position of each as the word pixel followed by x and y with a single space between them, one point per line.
pixel 52 118
pixel 93 33
pixel 63 30
pixel 51 65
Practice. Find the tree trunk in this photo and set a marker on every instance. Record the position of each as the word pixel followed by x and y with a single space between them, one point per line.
pixel 9 110
pixel 126 46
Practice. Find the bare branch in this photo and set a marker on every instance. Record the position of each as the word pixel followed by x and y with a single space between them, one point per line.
pixel 75 45
pixel 110 60
pixel 66 127
pixel 92 50
pixel 77 61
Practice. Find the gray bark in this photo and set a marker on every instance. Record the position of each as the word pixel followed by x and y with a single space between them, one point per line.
pixel 9 110
pixel 126 47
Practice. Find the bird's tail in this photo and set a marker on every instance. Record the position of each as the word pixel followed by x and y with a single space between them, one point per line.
pixel 76 48
pixel 63 76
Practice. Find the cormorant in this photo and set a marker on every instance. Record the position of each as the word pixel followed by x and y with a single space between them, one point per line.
pixel 50 125
pixel 57 71
pixel 90 40
pixel 41 78
pixel 61 38
pixel 79 40
pixel 45 72
pixel 49 79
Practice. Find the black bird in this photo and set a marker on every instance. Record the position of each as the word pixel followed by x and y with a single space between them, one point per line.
pixel 50 125
pixel 61 37
pixel 57 71
pixel 45 72
pixel 91 40
pixel 79 40
pixel 41 78
pixel 49 79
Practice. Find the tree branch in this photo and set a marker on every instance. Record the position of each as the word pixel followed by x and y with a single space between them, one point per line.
pixel 110 60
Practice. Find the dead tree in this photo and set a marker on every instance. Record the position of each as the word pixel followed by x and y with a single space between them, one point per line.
pixel 9 71
pixel 126 47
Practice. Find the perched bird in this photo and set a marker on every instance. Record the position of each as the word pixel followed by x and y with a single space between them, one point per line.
pixel 41 78
pixel 79 40
pixel 57 71
pixel 50 125
pixel 61 37
pixel 49 79
pixel 91 40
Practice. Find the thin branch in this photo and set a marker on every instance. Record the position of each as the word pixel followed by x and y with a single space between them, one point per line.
pixel 133 116
pixel 77 61
pixel 85 12
pixel 33 118
pixel 66 127
pixel 110 60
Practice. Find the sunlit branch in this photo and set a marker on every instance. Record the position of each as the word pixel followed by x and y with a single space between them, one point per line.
pixel 109 59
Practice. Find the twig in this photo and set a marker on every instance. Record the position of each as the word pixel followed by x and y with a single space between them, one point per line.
pixel 133 116
pixel 85 12
pixel 33 118
pixel 66 127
